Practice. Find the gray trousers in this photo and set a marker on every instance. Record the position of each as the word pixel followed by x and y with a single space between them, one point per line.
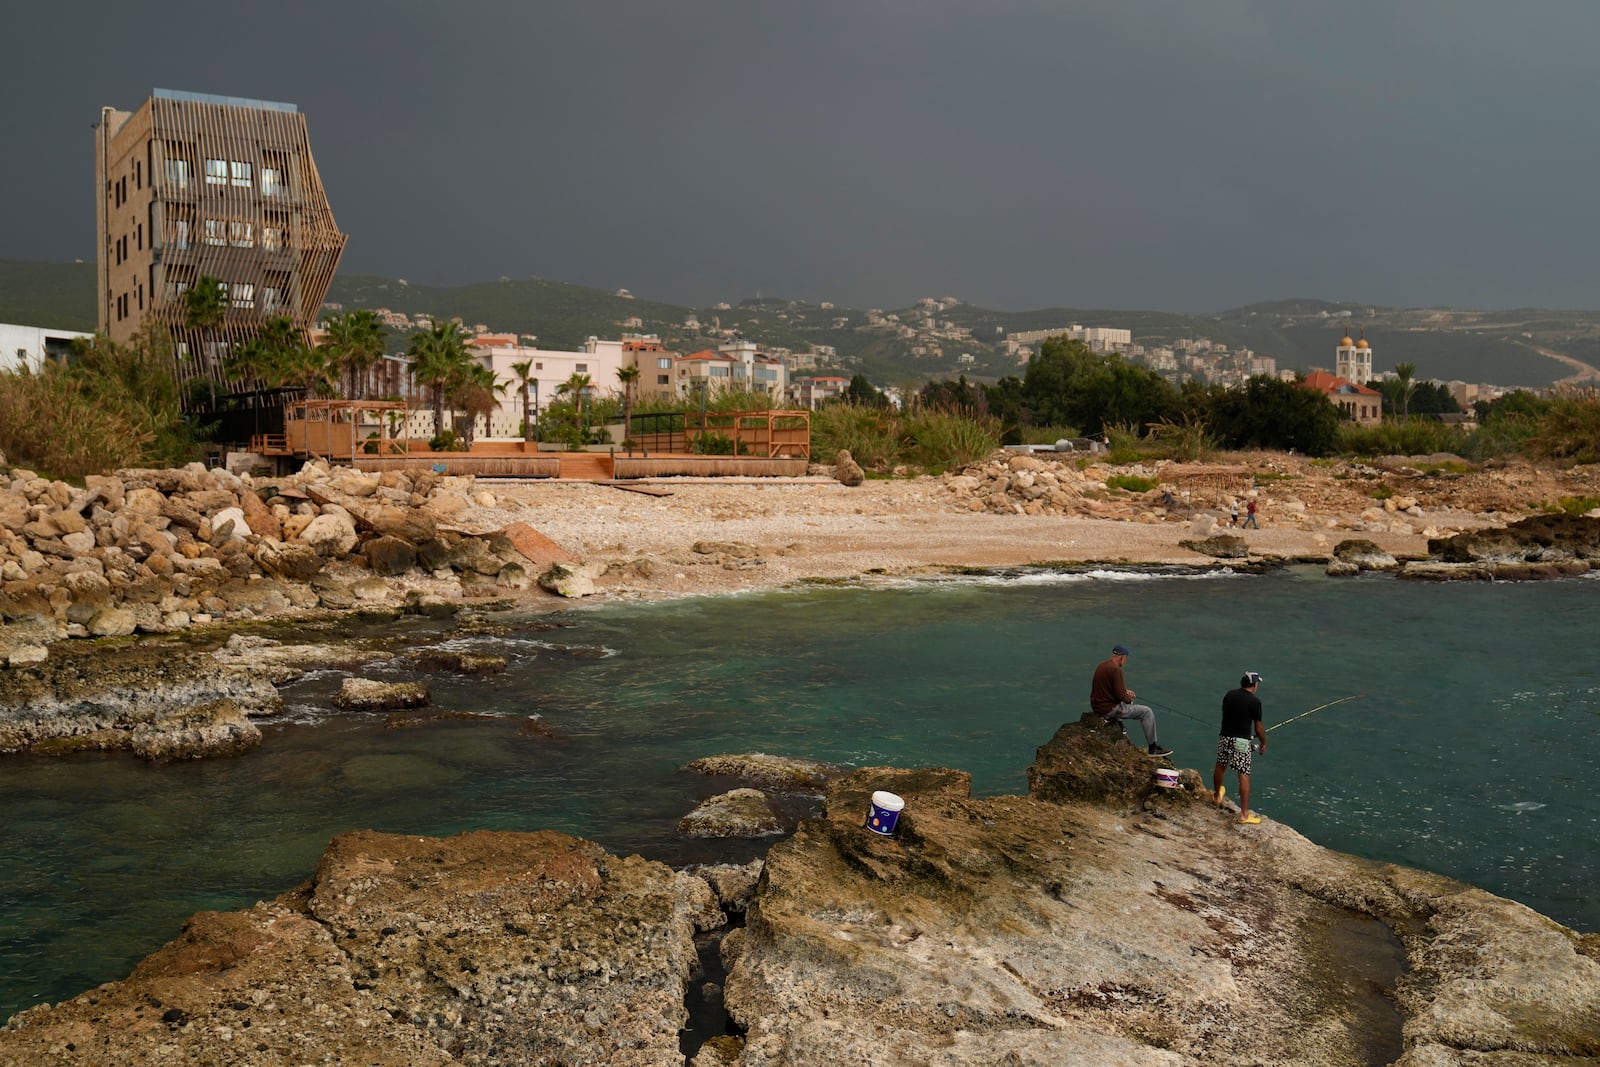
pixel 1146 717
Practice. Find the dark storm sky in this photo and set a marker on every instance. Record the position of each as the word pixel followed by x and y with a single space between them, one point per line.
pixel 1183 155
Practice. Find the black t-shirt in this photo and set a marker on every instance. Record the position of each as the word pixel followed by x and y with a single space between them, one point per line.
pixel 1240 708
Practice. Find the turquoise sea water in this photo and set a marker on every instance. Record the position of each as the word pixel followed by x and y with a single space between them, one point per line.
pixel 1469 751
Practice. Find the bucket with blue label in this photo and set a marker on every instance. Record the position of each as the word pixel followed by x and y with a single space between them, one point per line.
pixel 884 813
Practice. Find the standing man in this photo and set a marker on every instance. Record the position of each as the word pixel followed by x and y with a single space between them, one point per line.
pixel 1112 700
pixel 1250 515
pixel 1241 713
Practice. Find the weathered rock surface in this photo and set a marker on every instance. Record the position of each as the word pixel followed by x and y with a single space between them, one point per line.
pixel 1540 546
pixel 785 773
pixel 487 948
pixel 1147 930
pixel 367 694
pixel 1359 554
pixel 157 702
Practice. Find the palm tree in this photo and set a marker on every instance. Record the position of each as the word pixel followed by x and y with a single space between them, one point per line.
pixel 205 306
pixel 471 390
pixel 577 387
pixel 354 343
pixel 437 356
pixel 523 378
pixel 629 377
pixel 1404 371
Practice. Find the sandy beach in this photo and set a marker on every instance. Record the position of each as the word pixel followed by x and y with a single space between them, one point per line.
pixel 756 533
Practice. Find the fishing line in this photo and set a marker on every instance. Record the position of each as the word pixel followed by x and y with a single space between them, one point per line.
pixel 1319 707
pixel 1167 709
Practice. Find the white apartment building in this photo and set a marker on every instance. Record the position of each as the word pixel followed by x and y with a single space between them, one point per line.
pixel 549 369
pixel 32 345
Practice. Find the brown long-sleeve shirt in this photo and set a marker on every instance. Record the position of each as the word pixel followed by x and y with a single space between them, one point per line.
pixel 1107 690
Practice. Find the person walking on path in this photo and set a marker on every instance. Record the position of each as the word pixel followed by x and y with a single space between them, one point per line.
pixel 1250 515
pixel 1233 513
pixel 1112 700
pixel 1241 713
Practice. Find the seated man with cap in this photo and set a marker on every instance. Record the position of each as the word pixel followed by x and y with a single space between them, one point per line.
pixel 1112 700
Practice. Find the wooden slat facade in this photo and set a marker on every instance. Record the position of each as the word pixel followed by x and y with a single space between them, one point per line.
pixel 193 185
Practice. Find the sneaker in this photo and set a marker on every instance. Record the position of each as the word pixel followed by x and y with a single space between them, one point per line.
pixel 1157 750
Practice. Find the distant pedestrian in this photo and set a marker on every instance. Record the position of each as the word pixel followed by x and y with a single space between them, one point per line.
pixel 1112 700
pixel 1241 713
pixel 1233 513
pixel 1250 515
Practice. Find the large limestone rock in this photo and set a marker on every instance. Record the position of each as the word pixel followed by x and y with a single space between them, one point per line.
pixel 487 948
pixel 847 470
pixel 330 535
pixel 736 813
pixel 1134 931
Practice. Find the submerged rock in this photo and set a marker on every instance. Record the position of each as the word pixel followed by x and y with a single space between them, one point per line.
pixel 366 694
pixel 773 772
pixel 736 813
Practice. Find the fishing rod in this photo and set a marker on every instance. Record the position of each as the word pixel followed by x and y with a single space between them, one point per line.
pixel 1319 707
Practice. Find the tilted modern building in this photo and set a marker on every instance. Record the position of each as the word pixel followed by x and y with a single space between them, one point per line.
pixel 193 186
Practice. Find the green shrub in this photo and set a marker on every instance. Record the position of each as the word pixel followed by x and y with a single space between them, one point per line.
pixel 446 441
pixel 1569 430
pixel 1132 483
pixel 1045 435
pixel 938 441
pixel 1123 444
pixel 1574 505
pixel 870 435
pixel 1413 437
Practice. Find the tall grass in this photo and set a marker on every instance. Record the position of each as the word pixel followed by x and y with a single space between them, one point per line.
pixel 1409 437
pixel 870 435
pixel 938 440
pixel 113 406
pixel 1570 429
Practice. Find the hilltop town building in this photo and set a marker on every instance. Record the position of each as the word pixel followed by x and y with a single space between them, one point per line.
pixel 192 186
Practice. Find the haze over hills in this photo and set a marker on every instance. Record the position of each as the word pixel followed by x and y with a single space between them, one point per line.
pixel 1500 347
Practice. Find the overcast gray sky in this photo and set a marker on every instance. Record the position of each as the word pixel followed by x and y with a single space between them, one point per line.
pixel 1182 155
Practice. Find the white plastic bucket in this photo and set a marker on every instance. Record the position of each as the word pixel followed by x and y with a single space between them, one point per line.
pixel 1167 777
pixel 884 813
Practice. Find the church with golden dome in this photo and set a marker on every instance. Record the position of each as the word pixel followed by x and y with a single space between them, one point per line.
pixel 1353 360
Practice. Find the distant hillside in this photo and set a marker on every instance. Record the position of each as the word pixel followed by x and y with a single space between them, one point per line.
pixel 1475 346
pixel 58 295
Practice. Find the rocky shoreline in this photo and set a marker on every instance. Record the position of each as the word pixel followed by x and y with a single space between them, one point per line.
pixel 179 559
pixel 1098 920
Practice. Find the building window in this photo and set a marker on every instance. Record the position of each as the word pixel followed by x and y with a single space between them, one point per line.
pixel 216 172
pixel 138 237
pixel 241 234
pixel 272 182
pixel 538 366
pixel 271 238
pixel 241 174
pixel 244 295
pixel 664 363
pixel 270 298
pixel 663 379
pixel 581 368
pixel 180 233
pixel 216 232
pixel 178 173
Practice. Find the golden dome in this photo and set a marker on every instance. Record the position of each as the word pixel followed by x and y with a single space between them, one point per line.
pixel 1362 343
pixel 1346 343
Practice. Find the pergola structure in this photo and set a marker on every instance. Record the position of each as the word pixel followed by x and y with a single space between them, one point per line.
pixel 336 430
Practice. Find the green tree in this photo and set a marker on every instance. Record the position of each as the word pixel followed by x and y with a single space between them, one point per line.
pixel 472 390
pixel 205 307
pixel 353 344
pixel 1403 373
pixel 1268 413
pixel 861 391
pixel 523 378
pixel 577 387
pixel 629 377
pixel 438 356
pixel 1066 384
